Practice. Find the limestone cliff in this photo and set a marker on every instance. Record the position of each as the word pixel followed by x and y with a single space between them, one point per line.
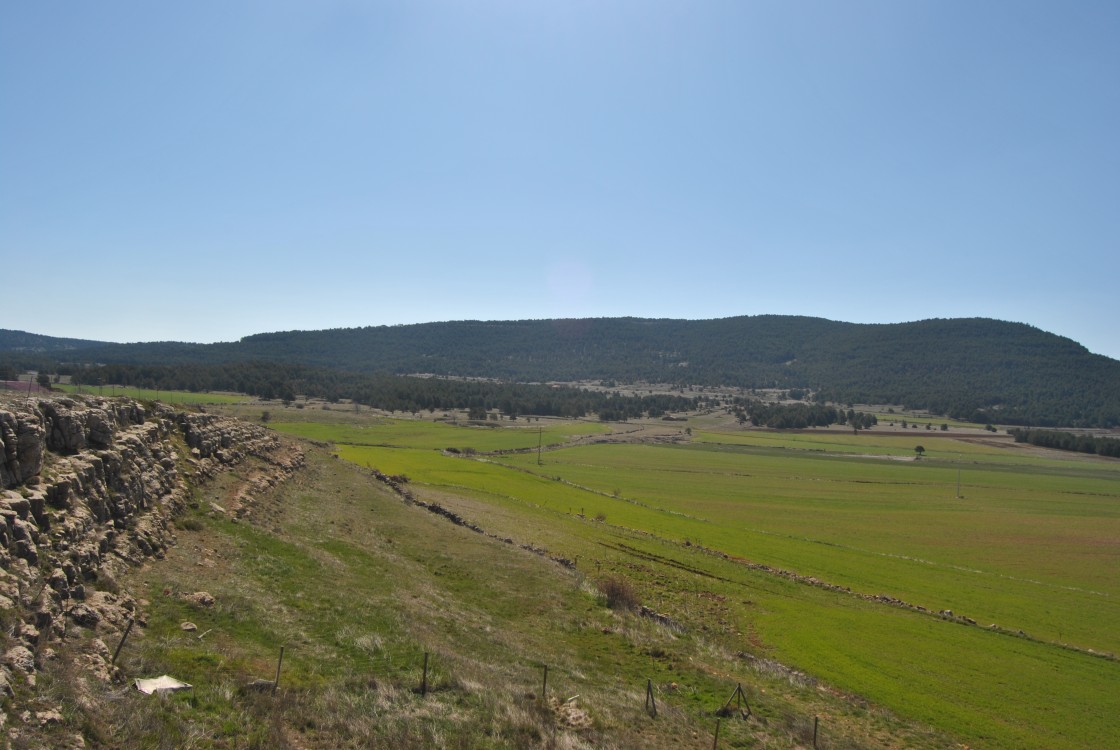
pixel 89 486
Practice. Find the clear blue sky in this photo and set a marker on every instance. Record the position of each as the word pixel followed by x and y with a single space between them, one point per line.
pixel 206 170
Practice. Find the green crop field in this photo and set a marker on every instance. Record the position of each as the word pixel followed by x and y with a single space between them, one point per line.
pixel 830 552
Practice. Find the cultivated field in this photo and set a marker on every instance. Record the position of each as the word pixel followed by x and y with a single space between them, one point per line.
pixel 989 616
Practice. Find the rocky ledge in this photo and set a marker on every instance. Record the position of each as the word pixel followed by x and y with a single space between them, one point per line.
pixel 88 487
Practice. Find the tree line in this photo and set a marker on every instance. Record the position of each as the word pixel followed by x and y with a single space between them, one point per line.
pixel 268 380
pixel 799 416
pixel 1068 441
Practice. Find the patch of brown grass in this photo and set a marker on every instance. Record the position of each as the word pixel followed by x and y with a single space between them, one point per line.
pixel 619 593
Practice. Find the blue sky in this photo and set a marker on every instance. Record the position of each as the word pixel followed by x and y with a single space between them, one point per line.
pixel 208 170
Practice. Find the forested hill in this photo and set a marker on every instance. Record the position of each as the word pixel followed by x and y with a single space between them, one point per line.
pixel 1014 372
pixel 35 343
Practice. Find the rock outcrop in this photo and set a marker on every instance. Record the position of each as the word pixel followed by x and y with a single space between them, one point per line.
pixel 89 487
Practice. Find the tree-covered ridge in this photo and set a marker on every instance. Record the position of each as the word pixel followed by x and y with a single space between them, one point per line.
pixel 972 368
pixel 33 342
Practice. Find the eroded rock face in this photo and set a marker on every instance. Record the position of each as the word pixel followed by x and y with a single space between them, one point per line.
pixel 73 426
pixel 21 448
pixel 90 480
pixel 88 487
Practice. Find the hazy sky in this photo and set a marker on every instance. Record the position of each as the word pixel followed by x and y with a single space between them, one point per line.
pixel 202 171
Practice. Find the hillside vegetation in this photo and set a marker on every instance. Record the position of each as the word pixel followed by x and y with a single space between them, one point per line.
pixel 978 369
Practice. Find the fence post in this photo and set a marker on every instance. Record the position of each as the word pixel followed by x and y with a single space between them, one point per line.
pixel 424 683
pixel 816 722
pixel 715 741
pixel 740 699
pixel 544 685
pixel 276 682
pixel 123 639
pixel 651 702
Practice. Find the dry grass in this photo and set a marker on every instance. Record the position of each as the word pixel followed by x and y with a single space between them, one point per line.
pixel 619 593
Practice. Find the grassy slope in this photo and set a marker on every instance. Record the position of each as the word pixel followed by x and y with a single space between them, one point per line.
pixel 859 523
pixel 358 585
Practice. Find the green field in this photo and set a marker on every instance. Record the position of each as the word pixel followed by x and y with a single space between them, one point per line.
pixel 147 394
pixel 421 435
pixel 1031 547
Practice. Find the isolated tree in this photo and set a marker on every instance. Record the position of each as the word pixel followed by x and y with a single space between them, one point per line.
pixel 44 380
pixel 919 450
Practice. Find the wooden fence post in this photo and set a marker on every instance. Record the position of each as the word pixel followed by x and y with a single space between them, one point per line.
pixel 276 682
pixel 651 703
pixel 424 683
pixel 715 741
pixel 740 699
pixel 123 639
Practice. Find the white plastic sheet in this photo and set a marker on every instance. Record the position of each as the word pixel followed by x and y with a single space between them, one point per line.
pixel 163 683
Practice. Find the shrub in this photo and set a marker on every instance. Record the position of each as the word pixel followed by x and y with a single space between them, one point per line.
pixel 619 593
pixel 191 524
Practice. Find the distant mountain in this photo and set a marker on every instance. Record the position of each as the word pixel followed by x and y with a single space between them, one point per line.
pixel 974 367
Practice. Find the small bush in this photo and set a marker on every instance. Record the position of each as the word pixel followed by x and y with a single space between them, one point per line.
pixel 619 593
pixel 191 524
